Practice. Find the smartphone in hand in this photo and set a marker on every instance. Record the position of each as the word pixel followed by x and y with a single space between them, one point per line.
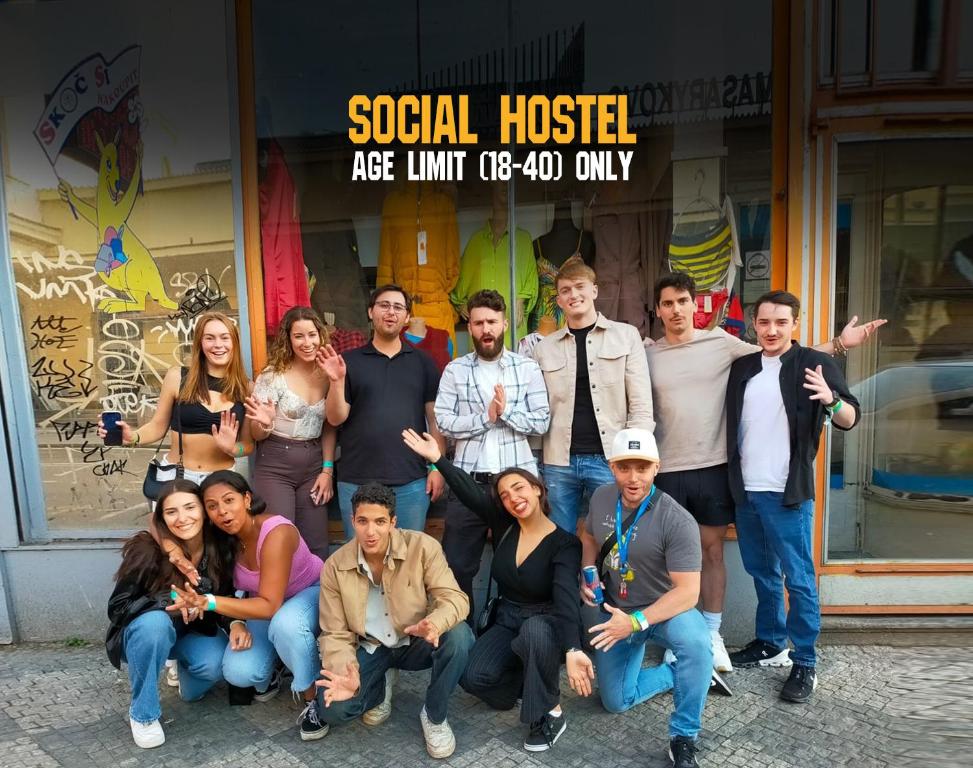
pixel 114 432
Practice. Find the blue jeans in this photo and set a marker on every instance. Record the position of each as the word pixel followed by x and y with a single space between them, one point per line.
pixel 622 683
pixel 448 662
pixel 775 545
pixel 411 505
pixel 147 642
pixel 291 634
pixel 566 486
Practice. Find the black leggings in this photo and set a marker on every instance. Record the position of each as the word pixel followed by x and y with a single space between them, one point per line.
pixel 519 656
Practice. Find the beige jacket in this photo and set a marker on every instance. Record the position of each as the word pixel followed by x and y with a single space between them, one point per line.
pixel 418 584
pixel 620 388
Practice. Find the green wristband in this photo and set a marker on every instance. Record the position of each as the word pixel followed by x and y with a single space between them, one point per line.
pixel 642 621
pixel 327 464
pixel 210 602
pixel 635 623
pixel 432 467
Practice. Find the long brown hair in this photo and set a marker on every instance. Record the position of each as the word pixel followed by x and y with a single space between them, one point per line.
pixel 236 385
pixel 531 478
pixel 281 353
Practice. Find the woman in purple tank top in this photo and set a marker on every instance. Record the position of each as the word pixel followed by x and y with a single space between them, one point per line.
pixel 279 577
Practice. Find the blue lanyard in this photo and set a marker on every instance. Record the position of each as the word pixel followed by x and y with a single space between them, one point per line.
pixel 624 540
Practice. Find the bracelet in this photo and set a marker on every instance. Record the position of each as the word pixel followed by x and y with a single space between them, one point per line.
pixel 238 621
pixel 239 450
pixel 432 468
pixel 210 601
pixel 840 350
pixel 636 627
pixel 135 441
pixel 834 407
pixel 642 621
pixel 326 464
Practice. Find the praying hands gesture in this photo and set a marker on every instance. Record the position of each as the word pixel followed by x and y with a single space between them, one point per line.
pixel 339 687
pixel 498 404
pixel 426 630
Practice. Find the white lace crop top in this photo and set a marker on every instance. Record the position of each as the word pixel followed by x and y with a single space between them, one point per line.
pixel 296 419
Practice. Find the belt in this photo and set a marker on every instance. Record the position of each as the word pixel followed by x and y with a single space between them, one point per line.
pixel 483 478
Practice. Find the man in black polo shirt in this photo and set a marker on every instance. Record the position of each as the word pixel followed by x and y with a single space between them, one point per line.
pixel 377 391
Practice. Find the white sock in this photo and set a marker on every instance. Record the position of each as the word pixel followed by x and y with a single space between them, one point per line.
pixel 556 712
pixel 713 620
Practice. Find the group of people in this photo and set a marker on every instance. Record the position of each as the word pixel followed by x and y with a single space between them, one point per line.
pixel 654 448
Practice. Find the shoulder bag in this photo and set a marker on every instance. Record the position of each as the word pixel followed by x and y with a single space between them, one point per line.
pixel 488 616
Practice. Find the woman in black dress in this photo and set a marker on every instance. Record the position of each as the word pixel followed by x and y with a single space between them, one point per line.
pixel 538 621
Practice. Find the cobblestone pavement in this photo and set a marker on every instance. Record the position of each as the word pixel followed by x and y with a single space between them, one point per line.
pixel 875 706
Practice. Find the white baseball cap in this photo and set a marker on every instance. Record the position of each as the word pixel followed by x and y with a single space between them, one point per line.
pixel 634 444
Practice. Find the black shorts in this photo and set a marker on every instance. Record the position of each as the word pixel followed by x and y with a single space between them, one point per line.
pixel 705 493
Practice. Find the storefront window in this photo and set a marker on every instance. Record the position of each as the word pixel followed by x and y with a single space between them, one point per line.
pixel 901 484
pixel 115 126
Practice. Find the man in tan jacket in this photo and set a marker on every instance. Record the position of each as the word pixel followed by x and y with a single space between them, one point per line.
pixel 598 383
pixel 388 602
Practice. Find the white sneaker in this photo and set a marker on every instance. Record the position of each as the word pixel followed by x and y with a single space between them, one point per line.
pixel 147 736
pixel 721 659
pixel 172 673
pixel 378 715
pixel 668 657
pixel 440 741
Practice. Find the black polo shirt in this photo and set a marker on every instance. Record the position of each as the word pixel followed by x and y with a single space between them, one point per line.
pixel 386 395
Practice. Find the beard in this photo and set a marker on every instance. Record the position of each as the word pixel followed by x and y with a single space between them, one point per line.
pixel 488 350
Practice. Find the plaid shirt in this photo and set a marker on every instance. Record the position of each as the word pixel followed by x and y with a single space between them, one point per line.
pixel 461 410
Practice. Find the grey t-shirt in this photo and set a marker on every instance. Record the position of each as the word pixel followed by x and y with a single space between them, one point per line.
pixel 665 539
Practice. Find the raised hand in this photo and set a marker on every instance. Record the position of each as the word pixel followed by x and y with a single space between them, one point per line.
pixel 814 381
pixel 226 434
pixel 339 687
pixel 426 630
pixel 853 335
pixel 331 363
pixel 426 446
pixel 618 627
pixel 262 412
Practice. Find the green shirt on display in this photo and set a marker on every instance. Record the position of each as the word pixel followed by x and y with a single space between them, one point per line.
pixel 486 265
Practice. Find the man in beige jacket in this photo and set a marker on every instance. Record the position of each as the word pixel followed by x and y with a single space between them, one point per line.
pixel 598 383
pixel 388 602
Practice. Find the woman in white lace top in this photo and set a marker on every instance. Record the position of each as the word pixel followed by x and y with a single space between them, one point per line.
pixel 294 458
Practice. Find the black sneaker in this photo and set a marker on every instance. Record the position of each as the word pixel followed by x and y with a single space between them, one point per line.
pixel 761 654
pixel 272 689
pixel 544 732
pixel 312 728
pixel 682 752
pixel 718 685
pixel 800 685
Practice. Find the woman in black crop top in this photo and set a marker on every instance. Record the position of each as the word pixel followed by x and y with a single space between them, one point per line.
pixel 203 404
pixel 538 622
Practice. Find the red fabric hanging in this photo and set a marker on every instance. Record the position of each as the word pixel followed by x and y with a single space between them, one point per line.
pixel 435 344
pixel 285 283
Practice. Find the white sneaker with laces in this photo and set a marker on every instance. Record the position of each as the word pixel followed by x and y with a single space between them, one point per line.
pixel 172 673
pixel 721 659
pixel 147 735
pixel 440 741
pixel 378 715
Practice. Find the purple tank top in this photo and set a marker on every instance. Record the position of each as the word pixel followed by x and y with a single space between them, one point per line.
pixel 305 567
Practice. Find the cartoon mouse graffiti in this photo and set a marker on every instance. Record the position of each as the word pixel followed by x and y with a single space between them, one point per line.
pixel 123 262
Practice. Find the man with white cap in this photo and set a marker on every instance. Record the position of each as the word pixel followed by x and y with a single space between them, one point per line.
pixel 647 551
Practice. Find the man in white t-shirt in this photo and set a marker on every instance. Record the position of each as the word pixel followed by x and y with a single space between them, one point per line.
pixel 489 401
pixel 689 369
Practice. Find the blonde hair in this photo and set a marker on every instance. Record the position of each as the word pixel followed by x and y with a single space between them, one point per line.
pixel 575 269
pixel 236 385
pixel 281 353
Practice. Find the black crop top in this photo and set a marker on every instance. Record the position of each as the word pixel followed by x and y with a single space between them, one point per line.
pixel 196 418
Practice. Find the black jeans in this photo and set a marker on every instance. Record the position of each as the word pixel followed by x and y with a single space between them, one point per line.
pixel 464 537
pixel 519 656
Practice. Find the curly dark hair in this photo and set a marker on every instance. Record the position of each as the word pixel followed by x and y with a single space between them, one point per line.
pixel 678 280
pixel 281 353
pixel 374 493
pixel 238 483
pixel 488 298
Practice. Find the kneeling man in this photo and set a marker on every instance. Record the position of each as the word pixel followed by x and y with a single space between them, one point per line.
pixel 388 602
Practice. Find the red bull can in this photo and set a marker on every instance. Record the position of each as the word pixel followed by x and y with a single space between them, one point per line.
pixel 593 582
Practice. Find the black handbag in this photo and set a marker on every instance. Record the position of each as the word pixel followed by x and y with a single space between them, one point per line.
pixel 151 484
pixel 488 616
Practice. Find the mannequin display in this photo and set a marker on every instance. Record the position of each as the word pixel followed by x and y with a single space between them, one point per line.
pixel 546 325
pixel 337 281
pixel 486 264
pixel 562 242
pixel 419 250
pixel 435 342
pixel 282 252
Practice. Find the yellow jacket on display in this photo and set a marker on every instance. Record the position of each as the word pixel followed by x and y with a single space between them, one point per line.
pixel 405 213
